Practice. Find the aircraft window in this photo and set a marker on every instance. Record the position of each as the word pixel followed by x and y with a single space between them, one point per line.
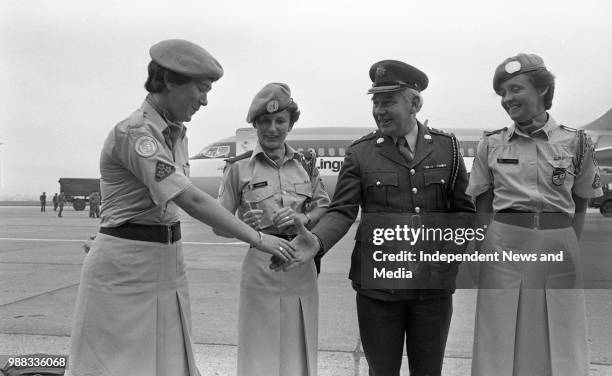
pixel 217 151
pixel 332 152
pixel 321 152
pixel 341 152
pixel 471 152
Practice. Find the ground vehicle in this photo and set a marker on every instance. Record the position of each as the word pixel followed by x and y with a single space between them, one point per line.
pixel 77 190
pixel 604 203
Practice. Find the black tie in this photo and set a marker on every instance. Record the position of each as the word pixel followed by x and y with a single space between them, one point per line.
pixel 404 149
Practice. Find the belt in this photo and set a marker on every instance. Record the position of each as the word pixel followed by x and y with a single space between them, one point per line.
pixel 149 233
pixel 543 220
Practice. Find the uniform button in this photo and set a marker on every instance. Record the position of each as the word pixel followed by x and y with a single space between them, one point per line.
pixel 412 172
pixel 414 190
pixel 417 209
pixel 378 183
pixel 442 181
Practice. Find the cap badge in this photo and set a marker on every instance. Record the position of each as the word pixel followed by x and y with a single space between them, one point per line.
pixel 380 71
pixel 427 137
pixel 380 140
pixel 512 66
pixel 272 106
pixel 146 146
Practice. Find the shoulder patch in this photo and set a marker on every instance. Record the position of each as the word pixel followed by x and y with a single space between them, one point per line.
pixel 163 170
pixel 369 136
pixel 568 128
pixel 240 157
pixel 145 146
pixel 490 133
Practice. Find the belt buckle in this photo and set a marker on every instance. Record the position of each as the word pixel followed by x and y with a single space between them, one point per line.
pixel 536 221
pixel 415 218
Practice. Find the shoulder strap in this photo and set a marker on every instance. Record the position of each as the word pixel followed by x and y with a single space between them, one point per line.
pixel 455 164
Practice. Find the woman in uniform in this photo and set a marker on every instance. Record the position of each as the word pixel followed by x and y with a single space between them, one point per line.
pixel 534 178
pixel 132 310
pixel 271 188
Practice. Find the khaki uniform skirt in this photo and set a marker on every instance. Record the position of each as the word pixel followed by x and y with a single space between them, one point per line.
pixel 530 316
pixel 278 319
pixel 132 312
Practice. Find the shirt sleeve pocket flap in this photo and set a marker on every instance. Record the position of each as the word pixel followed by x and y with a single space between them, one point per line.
pixel 304 189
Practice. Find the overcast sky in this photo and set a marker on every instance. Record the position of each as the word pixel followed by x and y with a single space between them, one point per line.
pixel 70 70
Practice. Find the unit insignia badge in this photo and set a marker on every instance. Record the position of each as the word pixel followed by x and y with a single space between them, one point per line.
pixel 558 176
pixel 272 106
pixel 163 170
pixel 146 146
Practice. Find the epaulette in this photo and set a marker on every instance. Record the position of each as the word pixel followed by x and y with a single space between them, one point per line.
pixel 490 133
pixel 240 157
pixel 368 136
pixel 568 128
pixel 440 132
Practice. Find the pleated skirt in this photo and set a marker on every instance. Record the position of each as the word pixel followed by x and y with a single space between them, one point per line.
pixel 278 319
pixel 132 313
pixel 530 316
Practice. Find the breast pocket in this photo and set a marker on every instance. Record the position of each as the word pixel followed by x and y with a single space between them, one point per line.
pixel 379 186
pixel 436 182
pixel 560 165
pixel 261 198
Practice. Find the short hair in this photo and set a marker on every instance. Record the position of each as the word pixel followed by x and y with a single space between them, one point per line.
pixel 542 79
pixel 294 113
pixel 410 93
pixel 158 76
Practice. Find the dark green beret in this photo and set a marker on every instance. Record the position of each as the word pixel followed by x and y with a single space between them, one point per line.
pixel 186 58
pixel 394 75
pixel 515 65
pixel 274 97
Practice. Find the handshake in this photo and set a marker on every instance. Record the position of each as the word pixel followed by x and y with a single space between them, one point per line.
pixel 304 247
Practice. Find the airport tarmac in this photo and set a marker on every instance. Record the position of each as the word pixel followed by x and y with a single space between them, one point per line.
pixel 41 258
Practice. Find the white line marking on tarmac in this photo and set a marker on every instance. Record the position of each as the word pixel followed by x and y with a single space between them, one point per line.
pixel 83 240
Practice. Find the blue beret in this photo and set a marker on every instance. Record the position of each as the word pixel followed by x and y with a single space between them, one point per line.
pixel 274 97
pixel 393 75
pixel 515 65
pixel 186 58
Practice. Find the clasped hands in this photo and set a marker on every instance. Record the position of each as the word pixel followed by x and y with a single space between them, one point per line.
pixel 304 246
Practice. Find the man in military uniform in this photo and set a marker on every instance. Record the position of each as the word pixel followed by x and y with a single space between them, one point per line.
pixel 61 200
pixel 55 202
pixel 43 202
pixel 403 173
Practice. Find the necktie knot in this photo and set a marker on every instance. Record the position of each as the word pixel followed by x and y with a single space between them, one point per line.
pixel 404 149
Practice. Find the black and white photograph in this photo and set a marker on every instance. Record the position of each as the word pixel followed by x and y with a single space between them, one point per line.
pixel 306 188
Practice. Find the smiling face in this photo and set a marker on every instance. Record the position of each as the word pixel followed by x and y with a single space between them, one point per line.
pixel 393 113
pixel 184 100
pixel 521 100
pixel 272 130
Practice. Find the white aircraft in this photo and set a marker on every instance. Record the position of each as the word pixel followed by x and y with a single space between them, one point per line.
pixel 329 143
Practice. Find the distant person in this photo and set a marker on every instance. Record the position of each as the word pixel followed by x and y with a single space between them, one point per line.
pixel 94 205
pixel 61 200
pixel 55 202
pixel 531 182
pixel 133 311
pixel 43 202
pixel 272 187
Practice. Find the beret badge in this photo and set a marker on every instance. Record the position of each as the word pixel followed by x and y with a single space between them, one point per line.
pixel 512 67
pixel 272 106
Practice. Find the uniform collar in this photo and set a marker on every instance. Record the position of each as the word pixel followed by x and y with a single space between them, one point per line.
pixel 545 131
pixel 290 152
pixel 158 116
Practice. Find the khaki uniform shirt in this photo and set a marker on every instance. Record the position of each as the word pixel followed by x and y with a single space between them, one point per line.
pixel 534 173
pixel 144 164
pixel 257 182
